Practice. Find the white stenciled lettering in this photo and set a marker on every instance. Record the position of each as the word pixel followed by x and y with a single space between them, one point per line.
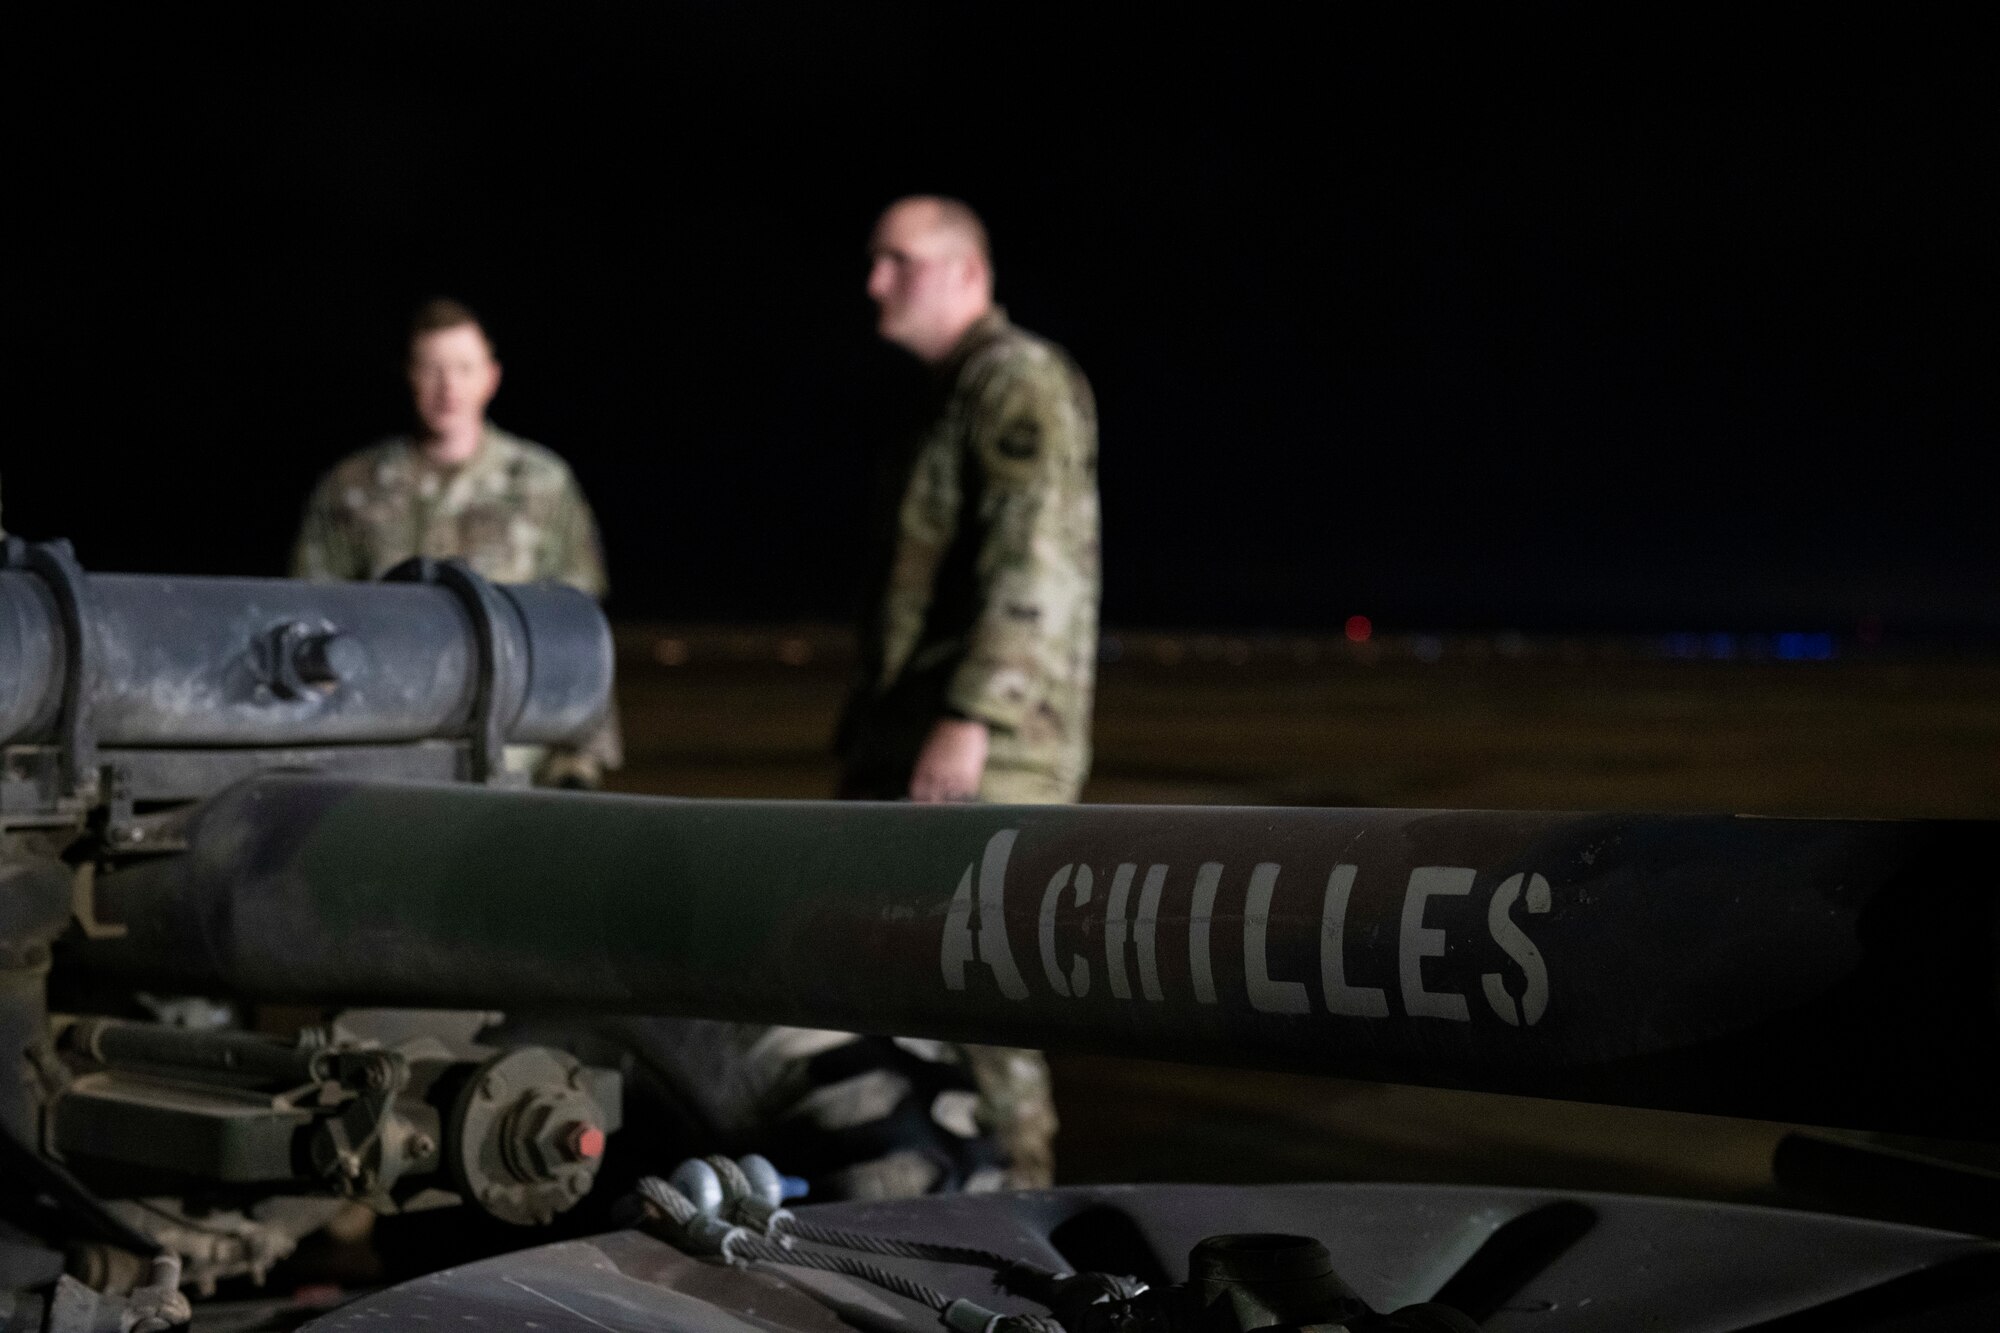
pixel 1078 981
pixel 958 947
pixel 1199 921
pixel 1266 995
pixel 1516 945
pixel 1149 933
pixel 1341 998
pixel 1115 930
pixel 1420 941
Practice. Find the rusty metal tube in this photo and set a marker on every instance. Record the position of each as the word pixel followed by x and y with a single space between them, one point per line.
pixel 1838 972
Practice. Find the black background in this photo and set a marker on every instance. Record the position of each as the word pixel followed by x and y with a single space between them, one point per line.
pixel 1485 319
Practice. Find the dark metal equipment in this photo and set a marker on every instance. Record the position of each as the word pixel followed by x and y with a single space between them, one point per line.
pixel 268 793
pixel 1508 1260
pixel 1825 971
pixel 126 701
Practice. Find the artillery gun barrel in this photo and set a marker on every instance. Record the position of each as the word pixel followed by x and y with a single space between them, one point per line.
pixel 1833 972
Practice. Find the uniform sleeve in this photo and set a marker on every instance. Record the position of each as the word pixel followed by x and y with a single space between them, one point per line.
pixel 327 547
pixel 575 555
pixel 1034 448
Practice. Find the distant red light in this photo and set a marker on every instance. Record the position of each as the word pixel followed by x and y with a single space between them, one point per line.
pixel 1359 629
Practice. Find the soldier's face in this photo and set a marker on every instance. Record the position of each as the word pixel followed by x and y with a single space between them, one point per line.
pixel 919 275
pixel 453 376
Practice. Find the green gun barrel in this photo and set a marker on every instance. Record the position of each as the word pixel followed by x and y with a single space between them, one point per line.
pixel 1837 972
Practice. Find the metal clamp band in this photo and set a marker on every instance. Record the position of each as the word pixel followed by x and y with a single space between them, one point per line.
pixel 55 562
pixel 499 673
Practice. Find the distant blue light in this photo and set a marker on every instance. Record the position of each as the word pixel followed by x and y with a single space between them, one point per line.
pixel 1799 647
pixel 1683 645
pixel 1722 646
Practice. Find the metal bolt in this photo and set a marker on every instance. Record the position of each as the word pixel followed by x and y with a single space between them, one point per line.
pixel 577 1183
pixel 422 1145
pixel 490 1195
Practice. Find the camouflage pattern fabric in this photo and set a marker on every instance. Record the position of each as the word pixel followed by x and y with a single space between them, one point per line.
pixel 990 606
pixel 989 612
pixel 513 511
pixel 1017 1106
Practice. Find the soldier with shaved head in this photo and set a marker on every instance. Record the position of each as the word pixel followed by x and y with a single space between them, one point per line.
pixel 979 659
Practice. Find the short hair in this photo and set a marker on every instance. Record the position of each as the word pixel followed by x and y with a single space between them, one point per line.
pixel 442 312
pixel 957 216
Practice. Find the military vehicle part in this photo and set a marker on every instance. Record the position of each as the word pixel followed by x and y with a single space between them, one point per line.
pixel 138 688
pixel 519 1133
pixel 1509 1260
pixel 531 1125
pixel 1818 971
pixel 1237 1282
pixel 1825 971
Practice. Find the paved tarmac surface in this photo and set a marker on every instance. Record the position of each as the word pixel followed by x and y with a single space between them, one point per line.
pixel 1464 723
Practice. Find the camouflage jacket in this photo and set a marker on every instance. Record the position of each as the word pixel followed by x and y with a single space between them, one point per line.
pixel 990 608
pixel 513 512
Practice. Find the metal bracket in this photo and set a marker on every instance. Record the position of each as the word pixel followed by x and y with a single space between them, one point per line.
pixel 56 563
pixel 500 674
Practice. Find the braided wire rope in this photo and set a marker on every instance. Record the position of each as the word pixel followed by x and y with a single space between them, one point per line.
pixel 740 1244
pixel 894 1248
pixel 756 1247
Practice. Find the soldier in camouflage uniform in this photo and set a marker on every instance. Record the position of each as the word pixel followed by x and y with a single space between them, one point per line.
pixel 979 663
pixel 512 511
pixel 460 487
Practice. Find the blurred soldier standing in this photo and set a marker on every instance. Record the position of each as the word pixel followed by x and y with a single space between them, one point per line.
pixel 460 487
pixel 979 661
pixel 980 657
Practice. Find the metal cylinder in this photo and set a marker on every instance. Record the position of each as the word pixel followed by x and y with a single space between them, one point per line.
pixel 190 662
pixel 248 1055
pixel 1825 971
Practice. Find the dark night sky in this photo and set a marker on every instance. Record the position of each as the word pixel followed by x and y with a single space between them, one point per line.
pixel 1668 324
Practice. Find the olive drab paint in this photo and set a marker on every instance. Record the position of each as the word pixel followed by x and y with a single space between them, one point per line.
pixel 975 930
pixel 1845 967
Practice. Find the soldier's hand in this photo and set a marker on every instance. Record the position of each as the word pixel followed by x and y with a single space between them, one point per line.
pixel 951 763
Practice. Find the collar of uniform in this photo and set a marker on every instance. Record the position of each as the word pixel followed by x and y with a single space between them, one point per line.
pixel 983 331
pixel 405 468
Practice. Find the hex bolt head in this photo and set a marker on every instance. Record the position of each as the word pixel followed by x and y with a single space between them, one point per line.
pixel 581 1141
